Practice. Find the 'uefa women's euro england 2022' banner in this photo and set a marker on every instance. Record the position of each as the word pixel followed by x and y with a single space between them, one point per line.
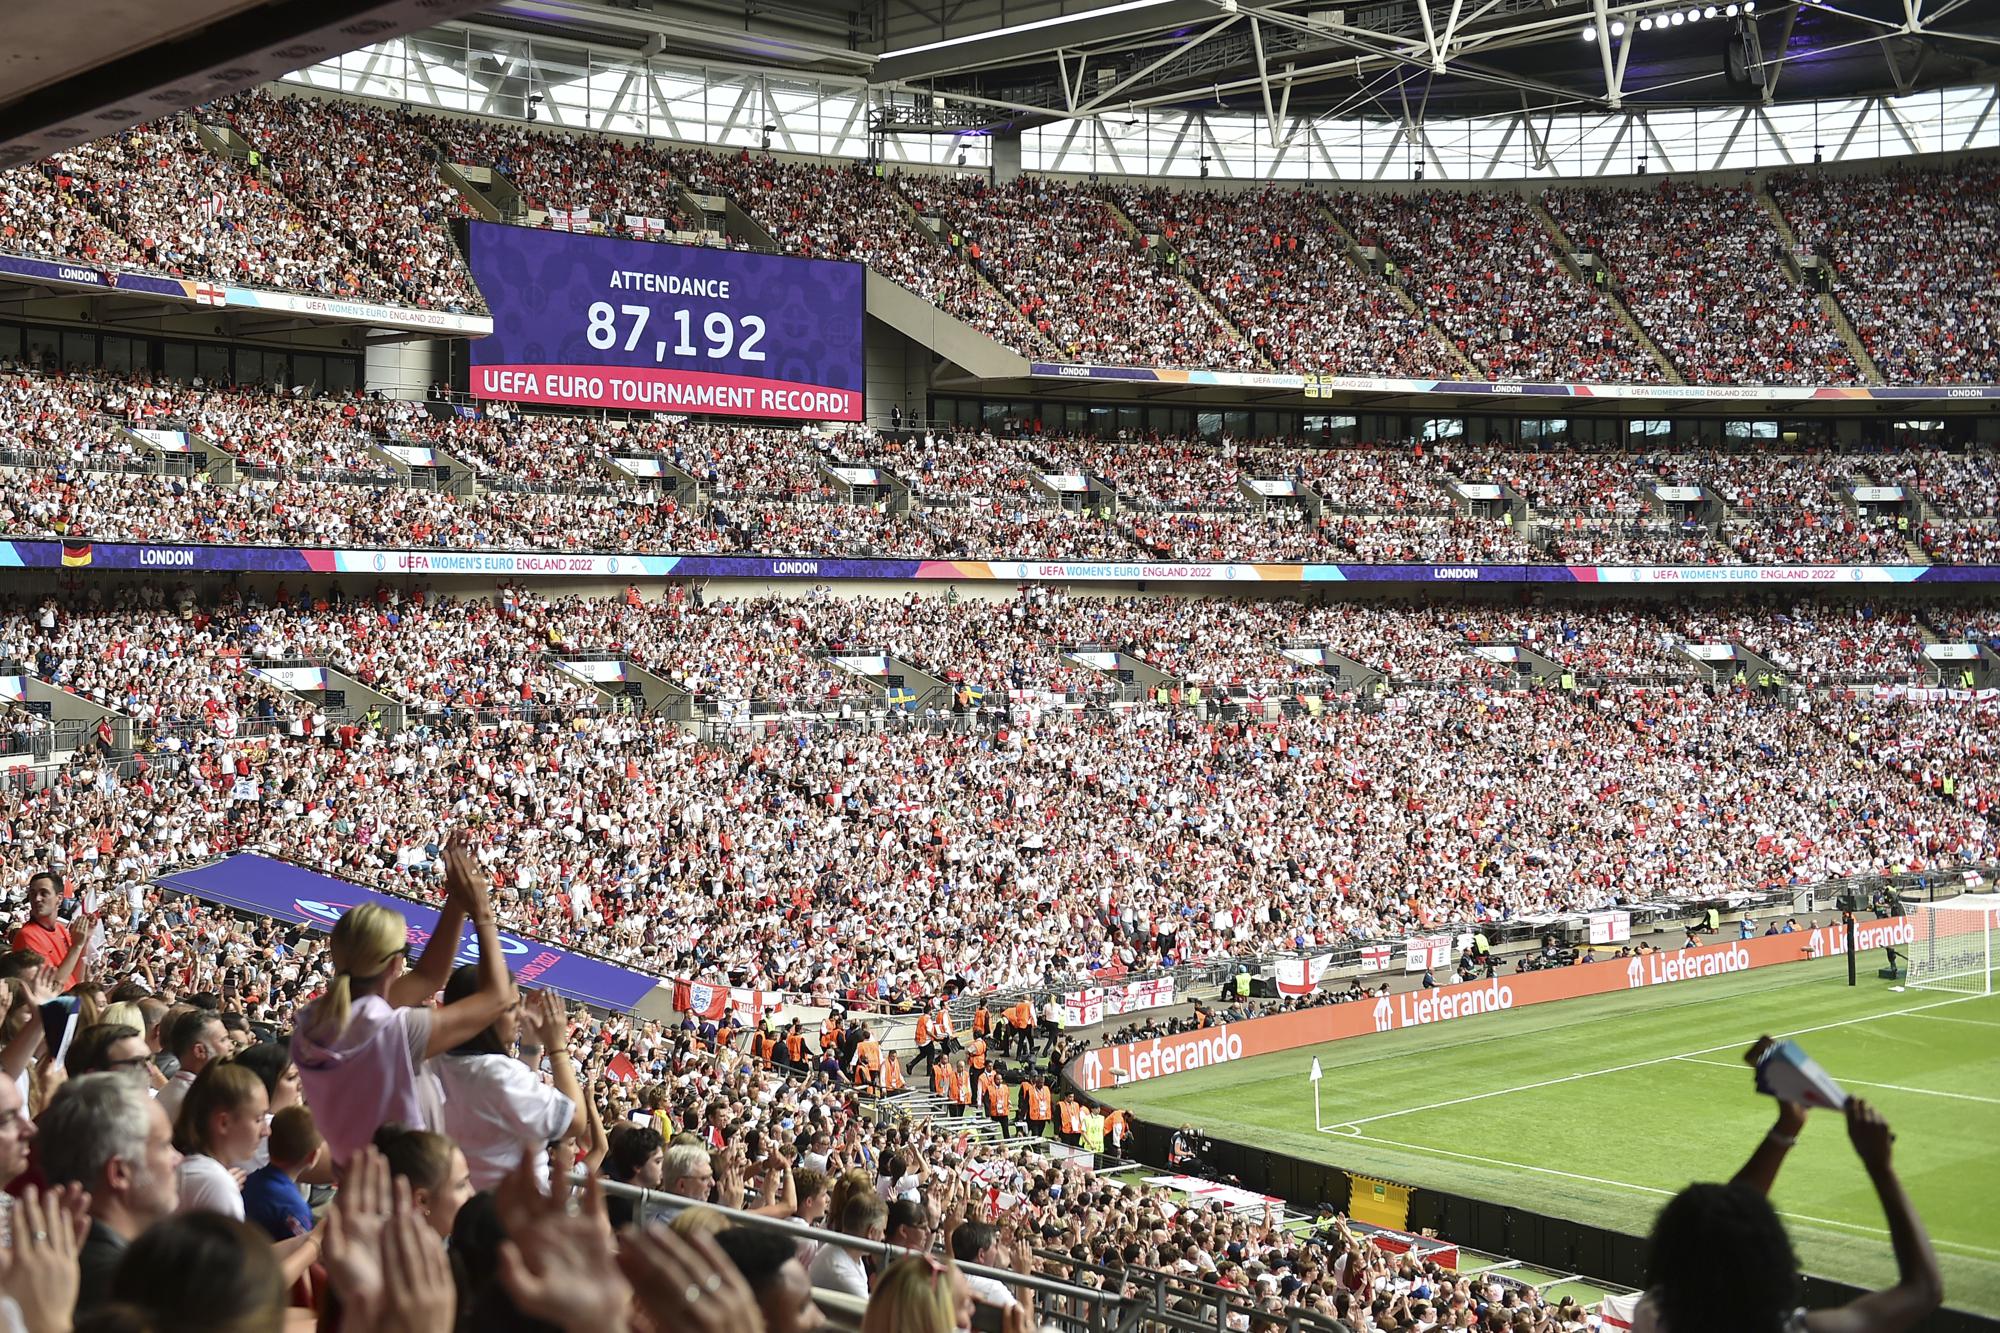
pixel 595 321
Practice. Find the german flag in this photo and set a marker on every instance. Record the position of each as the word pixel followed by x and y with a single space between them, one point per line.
pixel 75 554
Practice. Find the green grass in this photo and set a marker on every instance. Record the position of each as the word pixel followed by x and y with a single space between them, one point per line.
pixel 1600 1109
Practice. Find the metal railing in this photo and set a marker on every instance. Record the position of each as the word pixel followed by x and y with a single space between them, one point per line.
pixel 1062 1305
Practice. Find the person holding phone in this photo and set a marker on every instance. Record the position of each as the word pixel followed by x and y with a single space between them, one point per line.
pixel 1720 1257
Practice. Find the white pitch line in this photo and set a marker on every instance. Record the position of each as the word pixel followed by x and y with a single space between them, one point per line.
pixel 1343 1125
pixel 1859 1083
pixel 1649 1189
pixel 1948 1018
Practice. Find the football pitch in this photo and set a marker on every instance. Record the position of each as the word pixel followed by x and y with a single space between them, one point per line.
pixel 1600 1109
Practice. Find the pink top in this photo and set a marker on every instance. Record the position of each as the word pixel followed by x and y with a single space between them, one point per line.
pixel 374 1072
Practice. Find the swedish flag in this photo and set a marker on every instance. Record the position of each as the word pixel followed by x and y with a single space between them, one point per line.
pixel 899 697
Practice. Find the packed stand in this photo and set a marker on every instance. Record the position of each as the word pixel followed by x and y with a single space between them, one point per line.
pixel 1909 250
pixel 624 188
pixel 843 211
pixel 1817 642
pixel 372 174
pixel 1277 267
pixel 1702 268
pixel 1088 286
pixel 1486 272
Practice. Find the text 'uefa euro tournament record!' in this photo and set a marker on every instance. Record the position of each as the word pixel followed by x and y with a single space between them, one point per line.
pixel 595 321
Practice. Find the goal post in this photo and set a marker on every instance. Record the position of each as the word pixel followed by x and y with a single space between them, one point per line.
pixel 1954 944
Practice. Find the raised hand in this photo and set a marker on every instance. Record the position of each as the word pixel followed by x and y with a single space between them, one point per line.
pixel 1869 1133
pixel 415 1268
pixel 687 1284
pixel 562 1268
pixel 464 882
pixel 39 1267
pixel 548 1018
pixel 354 1228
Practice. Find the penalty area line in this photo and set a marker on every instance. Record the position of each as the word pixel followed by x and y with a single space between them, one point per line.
pixel 1859 1082
pixel 1833 1223
pixel 1341 1125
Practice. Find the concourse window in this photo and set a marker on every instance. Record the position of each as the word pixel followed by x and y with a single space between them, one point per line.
pixel 1444 428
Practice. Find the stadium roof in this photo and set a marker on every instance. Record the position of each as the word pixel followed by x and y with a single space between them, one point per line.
pixel 78 69
pixel 1019 63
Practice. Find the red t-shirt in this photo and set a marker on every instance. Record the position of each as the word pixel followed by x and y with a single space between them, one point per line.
pixel 51 943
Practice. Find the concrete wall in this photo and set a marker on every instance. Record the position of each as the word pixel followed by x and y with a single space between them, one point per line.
pixel 897 371
pixel 405 369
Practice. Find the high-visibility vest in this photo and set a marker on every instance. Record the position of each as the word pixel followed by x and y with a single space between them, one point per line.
pixel 868 1055
pixel 923 1029
pixel 1093 1132
pixel 975 1054
pixel 1038 1103
pixel 1072 1115
pixel 982 1021
pixel 941 1023
pixel 995 1096
pixel 795 1046
pixel 767 1046
pixel 941 1080
pixel 1021 1015
pixel 892 1076
pixel 961 1086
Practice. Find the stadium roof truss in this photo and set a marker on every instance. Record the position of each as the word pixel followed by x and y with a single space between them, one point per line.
pixel 1387 128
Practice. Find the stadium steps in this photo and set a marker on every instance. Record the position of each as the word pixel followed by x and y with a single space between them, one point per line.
pixel 1870 371
pixel 311 210
pixel 1130 226
pixel 1611 297
pixel 1395 289
pixel 1032 342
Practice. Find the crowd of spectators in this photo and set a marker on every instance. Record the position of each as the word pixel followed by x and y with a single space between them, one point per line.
pixel 1273 263
pixel 372 174
pixel 186 1144
pixel 844 211
pixel 610 180
pixel 1907 247
pixel 1485 270
pixel 181 211
pixel 1702 268
pixel 1091 288
pixel 344 198
pixel 320 469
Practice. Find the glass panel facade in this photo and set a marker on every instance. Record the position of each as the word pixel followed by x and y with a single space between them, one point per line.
pixel 586 88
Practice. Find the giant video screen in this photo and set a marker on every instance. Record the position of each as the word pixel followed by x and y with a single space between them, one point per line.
pixel 601 322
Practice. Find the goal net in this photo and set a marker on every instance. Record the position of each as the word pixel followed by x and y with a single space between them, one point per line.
pixel 1954 945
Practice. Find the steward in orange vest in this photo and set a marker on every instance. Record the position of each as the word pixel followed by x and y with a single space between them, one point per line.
pixel 1021 1028
pixel 1040 1106
pixel 892 1074
pixel 993 1096
pixel 1069 1127
pixel 961 1090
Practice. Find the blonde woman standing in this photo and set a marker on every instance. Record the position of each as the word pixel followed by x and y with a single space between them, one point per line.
pixel 361 1048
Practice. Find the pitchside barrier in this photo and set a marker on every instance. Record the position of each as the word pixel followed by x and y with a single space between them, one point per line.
pixel 1136 1062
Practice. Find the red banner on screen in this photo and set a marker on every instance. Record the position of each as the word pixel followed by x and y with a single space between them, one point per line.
pixel 1138 1061
pixel 665 390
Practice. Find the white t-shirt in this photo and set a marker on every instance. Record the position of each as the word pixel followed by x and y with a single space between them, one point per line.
pixel 174 1093
pixel 986 1289
pixel 495 1108
pixel 839 1270
pixel 207 1187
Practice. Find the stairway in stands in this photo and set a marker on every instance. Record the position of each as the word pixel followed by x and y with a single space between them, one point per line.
pixel 1844 326
pixel 1131 228
pixel 1395 287
pixel 1611 298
